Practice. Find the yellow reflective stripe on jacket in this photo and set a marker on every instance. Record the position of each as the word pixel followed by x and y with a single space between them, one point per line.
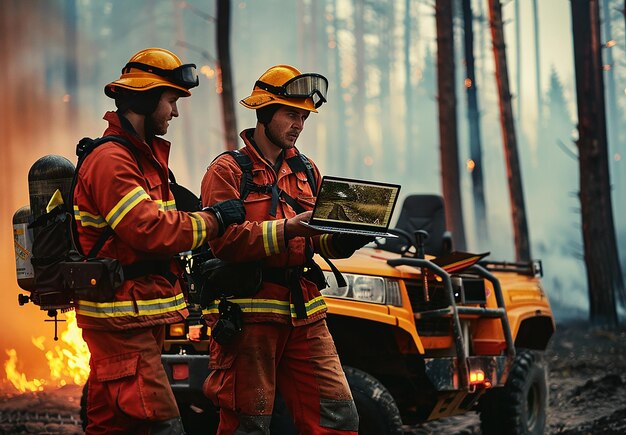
pixel 166 205
pixel 126 204
pixel 270 306
pixel 326 246
pixel 88 219
pixel 270 239
pixel 199 230
pixel 127 308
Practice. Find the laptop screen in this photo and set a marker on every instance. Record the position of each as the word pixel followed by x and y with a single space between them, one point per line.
pixel 344 202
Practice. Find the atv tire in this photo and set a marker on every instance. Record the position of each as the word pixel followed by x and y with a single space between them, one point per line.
pixel 378 413
pixel 520 406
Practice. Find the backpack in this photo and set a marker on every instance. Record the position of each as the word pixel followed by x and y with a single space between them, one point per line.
pixel 62 271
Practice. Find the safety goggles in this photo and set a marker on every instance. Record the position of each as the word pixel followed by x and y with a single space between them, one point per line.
pixel 184 75
pixel 314 86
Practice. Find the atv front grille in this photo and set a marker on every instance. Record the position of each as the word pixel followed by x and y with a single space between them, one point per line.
pixel 437 299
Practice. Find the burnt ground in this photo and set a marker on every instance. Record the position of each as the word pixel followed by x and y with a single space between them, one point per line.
pixel 587 388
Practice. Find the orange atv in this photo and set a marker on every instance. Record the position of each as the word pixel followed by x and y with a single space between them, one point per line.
pixel 419 338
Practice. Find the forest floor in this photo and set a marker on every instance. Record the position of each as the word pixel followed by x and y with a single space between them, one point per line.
pixel 587 392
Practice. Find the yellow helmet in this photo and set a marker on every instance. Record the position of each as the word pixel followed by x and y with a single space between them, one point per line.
pixel 284 84
pixel 152 68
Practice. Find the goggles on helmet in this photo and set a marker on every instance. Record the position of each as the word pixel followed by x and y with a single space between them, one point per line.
pixel 314 86
pixel 184 75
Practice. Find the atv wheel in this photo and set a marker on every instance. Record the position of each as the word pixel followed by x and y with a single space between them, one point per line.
pixel 378 413
pixel 520 406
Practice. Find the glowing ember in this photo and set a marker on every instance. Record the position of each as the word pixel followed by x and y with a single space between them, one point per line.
pixel 68 361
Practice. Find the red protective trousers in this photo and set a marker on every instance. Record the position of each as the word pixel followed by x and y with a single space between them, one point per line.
pixel 128 388
pixel 302 362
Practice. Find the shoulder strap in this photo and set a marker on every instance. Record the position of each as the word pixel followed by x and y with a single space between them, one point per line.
pixel 246 184
pixel 300 163
pixel 84 147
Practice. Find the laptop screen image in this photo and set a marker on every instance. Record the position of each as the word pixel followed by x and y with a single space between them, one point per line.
pixel 357 204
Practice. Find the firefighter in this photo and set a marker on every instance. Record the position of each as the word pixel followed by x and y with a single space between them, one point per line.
pixel 284 343
pixel 123 203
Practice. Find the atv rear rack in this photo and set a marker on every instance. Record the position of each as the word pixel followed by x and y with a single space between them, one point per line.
pixel 453 310
pixel 531 268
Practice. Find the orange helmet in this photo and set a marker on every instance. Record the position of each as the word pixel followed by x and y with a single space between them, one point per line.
pixel 284 84
pixel 152 68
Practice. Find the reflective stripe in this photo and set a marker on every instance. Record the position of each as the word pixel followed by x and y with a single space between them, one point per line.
pixel 127 308
pixel 270 306
pixel 166 205
pixel 88 219
pixel 199 230
pixel 270 239
pixel 326 246
pixel 126 204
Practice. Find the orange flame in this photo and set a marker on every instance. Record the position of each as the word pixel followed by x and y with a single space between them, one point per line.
pixel 68 361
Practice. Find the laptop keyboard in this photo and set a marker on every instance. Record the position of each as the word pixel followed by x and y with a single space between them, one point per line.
pixel 347 230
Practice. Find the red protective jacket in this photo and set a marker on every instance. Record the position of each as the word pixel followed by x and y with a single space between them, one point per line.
pixel 262 237
pixel 134 199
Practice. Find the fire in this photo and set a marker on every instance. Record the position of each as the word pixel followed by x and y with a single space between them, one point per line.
pixel 68 361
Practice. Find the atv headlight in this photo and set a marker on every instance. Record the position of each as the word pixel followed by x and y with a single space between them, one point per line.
pixel 364 288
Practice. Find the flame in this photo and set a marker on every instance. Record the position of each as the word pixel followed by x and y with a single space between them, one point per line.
pixel 68 361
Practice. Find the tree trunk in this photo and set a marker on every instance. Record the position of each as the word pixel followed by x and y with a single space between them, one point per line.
pixel 360 98
pixel 473 118
pixel 516 190
pixel 518 62
pixel 71 68
pixel 538 90
pixel 225 74
pixel 604 276
pixel 447 123
pixel 341 162
pixel 409 114
pixel 611 94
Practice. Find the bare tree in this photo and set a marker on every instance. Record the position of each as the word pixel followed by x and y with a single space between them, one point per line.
pixel 538 91
pixel 446 97
pixel 473 115
pixel 225 74
pixel 604 275
pixel 611 90
pixel 514 175
pixel 518 61
pixel 71 67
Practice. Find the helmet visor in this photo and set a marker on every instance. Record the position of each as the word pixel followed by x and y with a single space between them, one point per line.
pixel 314 86
pixel 184 75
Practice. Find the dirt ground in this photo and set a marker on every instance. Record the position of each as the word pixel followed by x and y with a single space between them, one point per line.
pixel 587 389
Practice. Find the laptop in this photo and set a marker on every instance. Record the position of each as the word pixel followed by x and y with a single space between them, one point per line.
pixel 352 206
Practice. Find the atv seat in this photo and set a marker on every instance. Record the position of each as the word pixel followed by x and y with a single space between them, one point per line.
pixel 423 212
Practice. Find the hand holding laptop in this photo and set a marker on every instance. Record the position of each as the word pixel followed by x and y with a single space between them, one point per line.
pixel 349 206
pixel 294 228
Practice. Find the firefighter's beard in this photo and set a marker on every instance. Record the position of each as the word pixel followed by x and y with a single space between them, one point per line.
pixel 281 142
pixel 155 127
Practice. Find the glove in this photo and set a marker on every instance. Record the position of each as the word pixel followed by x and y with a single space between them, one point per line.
pixel 227 212
pixel 345 244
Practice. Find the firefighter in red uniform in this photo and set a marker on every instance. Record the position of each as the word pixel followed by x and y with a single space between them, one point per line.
pixel 284 343
pixel 123 192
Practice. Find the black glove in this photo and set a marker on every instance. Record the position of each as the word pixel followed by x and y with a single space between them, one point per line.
pixel 345 244
pixel 227 212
